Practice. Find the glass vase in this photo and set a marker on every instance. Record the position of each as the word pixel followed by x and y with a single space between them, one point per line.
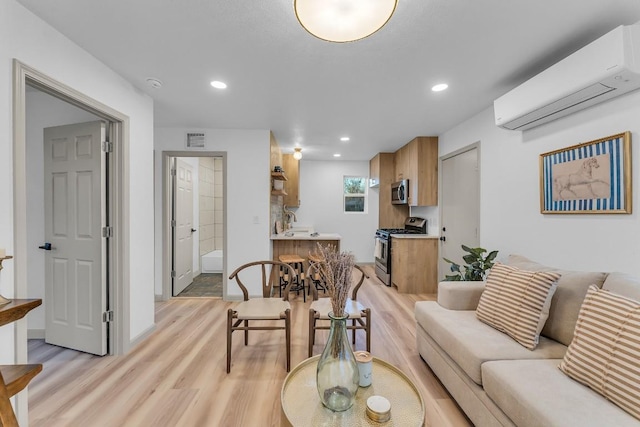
pixel 337 376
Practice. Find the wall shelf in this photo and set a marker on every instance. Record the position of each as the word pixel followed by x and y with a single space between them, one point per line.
pixel 17 309
pixel 278 193
pixel 280 176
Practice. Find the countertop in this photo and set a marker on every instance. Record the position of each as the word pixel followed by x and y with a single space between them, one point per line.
pixel 415 236
pixel 306 236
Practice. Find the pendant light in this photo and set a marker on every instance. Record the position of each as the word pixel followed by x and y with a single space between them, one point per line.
pixel 343 20
pixel 297 153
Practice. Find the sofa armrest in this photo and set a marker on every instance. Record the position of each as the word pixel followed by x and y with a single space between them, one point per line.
pixel 460 295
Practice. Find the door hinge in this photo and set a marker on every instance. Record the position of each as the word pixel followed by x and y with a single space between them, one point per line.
pixel 173 172
pixel 173 222
pixel 107 146
pixel 173 274
pixel 107 316
pixel 107 231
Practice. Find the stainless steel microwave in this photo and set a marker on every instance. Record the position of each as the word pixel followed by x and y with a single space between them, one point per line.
pixel 400 192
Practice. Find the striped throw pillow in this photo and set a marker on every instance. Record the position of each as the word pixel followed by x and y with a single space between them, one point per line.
pixel 517 302
pixel 605 351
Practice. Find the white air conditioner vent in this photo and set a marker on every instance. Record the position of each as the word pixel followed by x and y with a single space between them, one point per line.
pixel 195 140
pixel 604 69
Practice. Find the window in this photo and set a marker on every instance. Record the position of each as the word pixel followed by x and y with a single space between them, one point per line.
pixel 355 194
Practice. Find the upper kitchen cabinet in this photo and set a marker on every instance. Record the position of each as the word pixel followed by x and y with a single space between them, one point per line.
pixel 418 162
pixel 389 215
pixel 291 167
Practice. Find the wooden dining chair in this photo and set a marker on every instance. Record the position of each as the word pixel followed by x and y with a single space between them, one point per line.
pixel 320 307
pixel 245 315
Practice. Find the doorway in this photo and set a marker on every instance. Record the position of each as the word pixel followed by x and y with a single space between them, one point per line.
pixel 459 204
pixel 194 224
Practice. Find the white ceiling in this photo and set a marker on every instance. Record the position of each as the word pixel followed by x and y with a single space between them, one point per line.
pixel 310 92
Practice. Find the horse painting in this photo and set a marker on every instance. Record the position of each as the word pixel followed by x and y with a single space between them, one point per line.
pixel 580 184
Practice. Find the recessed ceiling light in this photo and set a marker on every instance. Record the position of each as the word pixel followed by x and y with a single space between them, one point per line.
pixel 344 138
pixel 218 84
pixel 154 83
pixel 337 155
pixel 440 87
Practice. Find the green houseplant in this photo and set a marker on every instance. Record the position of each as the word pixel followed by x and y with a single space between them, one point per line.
pixel 476 267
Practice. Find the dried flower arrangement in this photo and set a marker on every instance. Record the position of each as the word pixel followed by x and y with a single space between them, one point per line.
pixel 335 270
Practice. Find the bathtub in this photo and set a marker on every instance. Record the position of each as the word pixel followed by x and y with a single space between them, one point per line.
pixel 212 262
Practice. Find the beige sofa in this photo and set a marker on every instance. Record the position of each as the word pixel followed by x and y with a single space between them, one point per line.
pixel 498 382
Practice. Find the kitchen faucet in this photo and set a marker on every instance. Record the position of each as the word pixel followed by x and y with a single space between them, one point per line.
pixel 287 217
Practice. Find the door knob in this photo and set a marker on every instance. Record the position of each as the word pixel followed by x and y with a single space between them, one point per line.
pixel 443 239
pixel 46 247
pixel 193 230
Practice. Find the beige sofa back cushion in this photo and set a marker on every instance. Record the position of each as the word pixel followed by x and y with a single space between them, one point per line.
pixel 567 300
pixel 623 284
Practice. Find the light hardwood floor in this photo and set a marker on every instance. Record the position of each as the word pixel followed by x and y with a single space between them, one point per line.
pixel 177 376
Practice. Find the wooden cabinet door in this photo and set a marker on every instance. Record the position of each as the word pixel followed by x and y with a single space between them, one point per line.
pixel 374 171
pixel 291 168
pixel 414 265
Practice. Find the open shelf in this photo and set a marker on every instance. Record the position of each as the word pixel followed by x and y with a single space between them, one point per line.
pixel 278 193
pixel 280 176
pixel 17 309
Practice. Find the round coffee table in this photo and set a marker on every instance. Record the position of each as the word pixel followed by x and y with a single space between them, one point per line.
pixel 301 406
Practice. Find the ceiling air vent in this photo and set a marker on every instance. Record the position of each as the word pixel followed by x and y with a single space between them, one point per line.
pixel 195 140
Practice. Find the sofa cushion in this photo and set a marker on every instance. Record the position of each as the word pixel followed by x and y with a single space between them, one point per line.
pixel 605 351
pixel 567 299
pixel 516 302
pixel 470 343
pixel 534 393
pixel 623 284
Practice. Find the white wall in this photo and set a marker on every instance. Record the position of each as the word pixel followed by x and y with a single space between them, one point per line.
pixel 321 205
pixel 43 111
pixel 27 38
pixel 248 195
pixel 511 221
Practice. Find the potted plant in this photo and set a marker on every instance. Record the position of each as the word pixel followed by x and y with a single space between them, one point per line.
pixel 476 267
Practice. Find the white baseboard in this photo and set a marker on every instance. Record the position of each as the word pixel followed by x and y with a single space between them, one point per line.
pixel 35 334
pixel 141 337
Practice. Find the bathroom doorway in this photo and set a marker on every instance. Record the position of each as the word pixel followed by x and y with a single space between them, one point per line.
pixel 195 235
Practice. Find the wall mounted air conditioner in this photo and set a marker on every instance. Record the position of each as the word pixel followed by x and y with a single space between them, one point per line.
pixel 605 68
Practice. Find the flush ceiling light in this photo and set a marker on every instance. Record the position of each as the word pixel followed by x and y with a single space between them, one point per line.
pixel 440 87
pixel 344 139
pixel 337 155
pixel 218 84
pixel 297 153
pixel 343 20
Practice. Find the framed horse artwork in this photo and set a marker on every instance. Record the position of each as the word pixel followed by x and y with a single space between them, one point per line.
pixel 594 177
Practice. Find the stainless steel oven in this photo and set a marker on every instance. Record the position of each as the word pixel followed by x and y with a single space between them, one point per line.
pixel 383 257
pixel 382 252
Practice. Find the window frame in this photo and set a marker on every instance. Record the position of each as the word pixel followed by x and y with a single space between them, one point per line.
pixel 364 195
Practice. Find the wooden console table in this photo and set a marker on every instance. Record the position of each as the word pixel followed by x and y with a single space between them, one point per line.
pixel 14 378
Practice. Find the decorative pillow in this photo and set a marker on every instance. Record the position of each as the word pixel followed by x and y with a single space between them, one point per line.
pixel 605 351
pixel 517 302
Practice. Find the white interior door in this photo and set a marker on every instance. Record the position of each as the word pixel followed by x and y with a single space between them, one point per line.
pixel 460 207
pixel 183 230
pixel 75 256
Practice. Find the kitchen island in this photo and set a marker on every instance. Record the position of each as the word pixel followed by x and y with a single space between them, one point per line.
pixel 302 244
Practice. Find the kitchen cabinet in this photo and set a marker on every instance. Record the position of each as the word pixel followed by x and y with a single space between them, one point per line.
pixel 417 161
pixel 389 216
pixel 291 167
pixel 414 264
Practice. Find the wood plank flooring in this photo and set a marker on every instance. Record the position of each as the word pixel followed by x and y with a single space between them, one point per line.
pixel 177 376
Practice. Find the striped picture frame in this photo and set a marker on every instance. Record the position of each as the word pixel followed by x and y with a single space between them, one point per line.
pixel 593 177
